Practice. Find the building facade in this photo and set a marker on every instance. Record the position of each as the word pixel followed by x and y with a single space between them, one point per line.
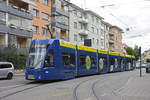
pixel 146 56
pixel 85 24
pixel 41 13
pixel 115 39
pixel 16 23
pixel 52 12
pixel 106 34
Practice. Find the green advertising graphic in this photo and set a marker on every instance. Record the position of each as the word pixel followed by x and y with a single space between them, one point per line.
pixel 88 63
pixel 101 64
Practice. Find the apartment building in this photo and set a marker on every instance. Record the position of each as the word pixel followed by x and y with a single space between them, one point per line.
pixel 146 56
pixel 115 39
pixel 106 34
pixel 41 13
pixel 86 24
pixel 54 12
pixel 16 23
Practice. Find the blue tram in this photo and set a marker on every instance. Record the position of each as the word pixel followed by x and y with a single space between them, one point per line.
pixel 55 59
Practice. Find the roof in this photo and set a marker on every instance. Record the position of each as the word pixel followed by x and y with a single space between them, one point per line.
pixel 93 13
pixel 117 28
pixel 76 7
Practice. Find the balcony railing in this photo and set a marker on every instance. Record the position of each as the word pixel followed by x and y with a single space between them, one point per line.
pixel 83 32
pixel 16 11
pixel 61 12
pixel 83 20
pixel 16 31
pixel 60 25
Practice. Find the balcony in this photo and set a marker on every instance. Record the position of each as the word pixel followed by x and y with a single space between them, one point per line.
pixel 83 32
pixel 83 20
pixel 61 12
pixel 16 31
pixel 59 25
pixel 111 33
pixel 11 9
pixel 111 41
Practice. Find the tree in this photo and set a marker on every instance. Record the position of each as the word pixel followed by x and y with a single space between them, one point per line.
pixel 136 49
pixel 130 51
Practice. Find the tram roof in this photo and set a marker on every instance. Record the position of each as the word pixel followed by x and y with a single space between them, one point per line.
pixel 67 44
pixel 103 51
pixel 113 53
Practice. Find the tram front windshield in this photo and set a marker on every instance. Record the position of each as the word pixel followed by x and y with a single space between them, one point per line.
pixel 36 55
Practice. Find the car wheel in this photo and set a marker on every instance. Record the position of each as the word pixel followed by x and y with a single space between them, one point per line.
pixel 9 76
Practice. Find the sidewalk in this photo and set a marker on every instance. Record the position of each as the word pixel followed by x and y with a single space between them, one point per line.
pixel 137 88
pixel 19 72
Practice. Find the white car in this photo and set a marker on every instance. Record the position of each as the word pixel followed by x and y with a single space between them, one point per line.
pixel 6 70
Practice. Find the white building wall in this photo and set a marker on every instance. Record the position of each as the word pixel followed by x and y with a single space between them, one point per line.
pixel 95 28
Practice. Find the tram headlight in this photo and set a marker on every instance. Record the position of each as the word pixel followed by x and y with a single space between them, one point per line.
pixel 46 72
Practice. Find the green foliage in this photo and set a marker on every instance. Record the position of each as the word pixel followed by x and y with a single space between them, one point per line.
pixel 136 49
pixel 133 52
pixel 9 54
pixel 130 51
pixel 148 60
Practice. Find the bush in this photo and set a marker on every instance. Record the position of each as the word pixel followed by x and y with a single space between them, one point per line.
pixel 9 54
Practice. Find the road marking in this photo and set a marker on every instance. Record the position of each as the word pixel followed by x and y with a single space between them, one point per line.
pixel 105 83
pixel 64 93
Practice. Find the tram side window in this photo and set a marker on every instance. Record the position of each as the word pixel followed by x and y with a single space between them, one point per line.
pixel 112 61
pixel 122 61
pixel 82 60
pixel 72 59
pixel 104 61
pixel 49 61
pixel 93 60
pixel 128 61
pixel 68 59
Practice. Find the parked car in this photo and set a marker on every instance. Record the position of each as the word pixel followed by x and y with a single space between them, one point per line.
pixel 6 70
pixel 148 68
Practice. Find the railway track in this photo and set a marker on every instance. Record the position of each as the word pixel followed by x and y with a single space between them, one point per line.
pixel 18 89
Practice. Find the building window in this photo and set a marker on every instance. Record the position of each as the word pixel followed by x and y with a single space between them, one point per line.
pixel 97 42
pixel 97 31
pixel 35 13
pixel 44 31
pixel 62 6
pixel 75 13
pixel 92 29
pixel 75 25
pixel 102 43
pixel 97 20
pixel 45 2
pixel 75 37
pixel 2 18
pixel 93 40
pixel 93 19
pixel 44 16
pixel 36 29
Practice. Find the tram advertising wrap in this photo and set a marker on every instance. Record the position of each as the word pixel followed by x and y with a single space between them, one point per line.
pixel 55 59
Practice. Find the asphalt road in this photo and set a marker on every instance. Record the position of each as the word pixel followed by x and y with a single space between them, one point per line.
pixel 97 87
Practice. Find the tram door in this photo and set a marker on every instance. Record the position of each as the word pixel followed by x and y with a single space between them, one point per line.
pixel 68 64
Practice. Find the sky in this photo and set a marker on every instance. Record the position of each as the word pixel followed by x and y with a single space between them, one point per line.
pixel 132 14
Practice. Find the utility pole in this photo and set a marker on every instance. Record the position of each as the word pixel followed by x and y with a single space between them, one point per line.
pixel 140 62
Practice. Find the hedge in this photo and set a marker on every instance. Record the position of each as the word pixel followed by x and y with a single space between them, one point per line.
pixel 9 54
